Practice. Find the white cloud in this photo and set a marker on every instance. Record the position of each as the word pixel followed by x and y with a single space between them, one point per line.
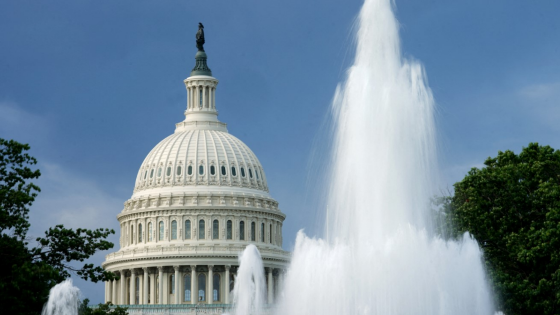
pixel 542 91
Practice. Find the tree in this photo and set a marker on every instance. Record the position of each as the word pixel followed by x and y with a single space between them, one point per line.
pixel 28 273
pixel 512 207
pixel 101 309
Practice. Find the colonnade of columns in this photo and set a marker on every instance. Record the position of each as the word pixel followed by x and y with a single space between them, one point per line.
pixel 209 284
pixel 201 96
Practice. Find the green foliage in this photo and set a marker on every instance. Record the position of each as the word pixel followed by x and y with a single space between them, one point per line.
pixel 29 273
pixel 102 309
pixel 512 207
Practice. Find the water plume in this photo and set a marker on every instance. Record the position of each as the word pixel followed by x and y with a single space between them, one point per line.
pixel 381 255
pixel 249 290
pixel 64 299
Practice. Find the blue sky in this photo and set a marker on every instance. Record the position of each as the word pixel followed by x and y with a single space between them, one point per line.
pixel 93 86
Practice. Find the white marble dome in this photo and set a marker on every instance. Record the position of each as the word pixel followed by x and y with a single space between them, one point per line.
pixel 200 158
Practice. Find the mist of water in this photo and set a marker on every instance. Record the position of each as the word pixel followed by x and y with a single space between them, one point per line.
pixel 250 288
pixel 64 299
pixel 381 255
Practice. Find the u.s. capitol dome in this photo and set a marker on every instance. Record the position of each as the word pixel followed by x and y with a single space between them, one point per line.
pixel 200 197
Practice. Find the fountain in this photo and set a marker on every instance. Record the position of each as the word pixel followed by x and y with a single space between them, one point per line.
pixel 381 255
pixel 64 299
pixel 249 290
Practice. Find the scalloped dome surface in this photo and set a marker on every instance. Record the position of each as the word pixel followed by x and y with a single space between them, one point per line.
pixel 201 158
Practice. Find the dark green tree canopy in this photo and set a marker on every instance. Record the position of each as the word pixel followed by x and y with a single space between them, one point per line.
pixel 29 273
pixel 512 207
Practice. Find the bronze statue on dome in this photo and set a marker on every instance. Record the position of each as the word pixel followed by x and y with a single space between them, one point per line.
pixel 200 37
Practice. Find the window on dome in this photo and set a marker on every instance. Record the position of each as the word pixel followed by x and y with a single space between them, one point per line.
pixel 131 234
pixel 270 233
pixel 233 171
pixel 159 172
pixel 257 173
pixel 150 232
pixel 253 228
pixel 262 232
pixel 140 233
pixel 242 172
pixel 200 169
pixel 189 170
pixel 152 174
pixel 157 288
pixel 212 170
pixel 216 287
pixel 223 170
pixel 169 171
pixel 145 174
pixel 200 93
pixel 179 170
pixel 201 227
pixel 250 173
pixel 173 230
pixel 187 284
pixel 215 230
pixel 242 231
pixel 137 293
pixel 172 284
pixel 229 228
pixel 188 229
pixel 160 230
pixel 202 287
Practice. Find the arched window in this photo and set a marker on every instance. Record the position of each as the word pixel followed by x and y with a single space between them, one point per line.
pixel 223 170
pixel 216 287
pixel 187 289
pixel 172 284
pixel 137 293
pixel 189 170
pixel 173 230
pixel 140 233
pixel 200 94
pixel 179 170
pixel 270 233
pixel 169 171
pixel 242 230
pixel 159 172
pixel 229 228
pixel 242 172
pixel 212 170
pixel 201 170
pixel 262 232
pixel 253 228
pixel 250 173
pixel 215 230
pixel 202 287
pixel 201 227
pixel 150 231
pixel 233 171
pixel 188 229
pixel 152 173
pixel 160 231
pixel 131 234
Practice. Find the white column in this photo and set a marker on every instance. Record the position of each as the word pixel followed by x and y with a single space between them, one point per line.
pixel 122 300
pixel 270 286
pixel 145 285
pixel 210 285
pixel 177 291
pixel 152 288
pixel 194 289
pixel 132 292
pixel 114 292
pixel 160 285
pixel 214 98
pixel 227 284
